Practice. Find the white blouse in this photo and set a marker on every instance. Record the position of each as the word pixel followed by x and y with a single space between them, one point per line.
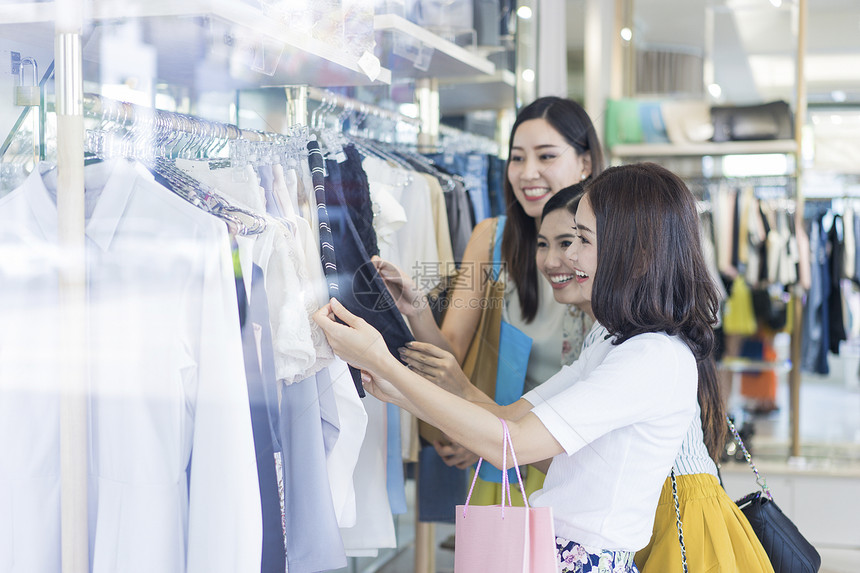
pixel 620 413
pixel 172 479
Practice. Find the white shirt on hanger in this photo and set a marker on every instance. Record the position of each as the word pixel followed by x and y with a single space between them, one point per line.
pixel 274 253
pixel 172 473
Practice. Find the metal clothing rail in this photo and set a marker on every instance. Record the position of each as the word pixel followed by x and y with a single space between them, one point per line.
pixel 332 100
pixel 127 114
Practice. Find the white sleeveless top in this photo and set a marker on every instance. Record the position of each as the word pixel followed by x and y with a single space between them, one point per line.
pixel 546 331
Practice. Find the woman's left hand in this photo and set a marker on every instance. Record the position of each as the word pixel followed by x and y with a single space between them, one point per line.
pixel 355 341
pixel 437 365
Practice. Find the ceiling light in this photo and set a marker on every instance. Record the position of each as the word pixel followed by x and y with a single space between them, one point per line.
pixel 626 34
pixel 776 3
pixel 838 96
pixel 715 90
pixel 524 12
pixel 529 75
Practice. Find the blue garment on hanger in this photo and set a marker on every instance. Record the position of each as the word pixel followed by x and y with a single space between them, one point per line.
pixel 472 167
pixel 314 542
pixel 261 381
pixel 267 182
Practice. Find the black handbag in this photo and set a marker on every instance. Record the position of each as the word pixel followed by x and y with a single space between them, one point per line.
pixel 772 120
pixel 786 548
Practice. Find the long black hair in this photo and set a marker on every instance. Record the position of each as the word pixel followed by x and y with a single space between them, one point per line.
pixel 519 240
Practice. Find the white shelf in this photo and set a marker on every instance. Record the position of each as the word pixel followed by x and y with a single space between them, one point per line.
pixel 462 95
pixel 707 148
pixel 448 60
pixel 734 364
pixel 304 60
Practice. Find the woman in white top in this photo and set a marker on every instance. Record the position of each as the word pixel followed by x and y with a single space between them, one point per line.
pixel 614 420
pixel 717 536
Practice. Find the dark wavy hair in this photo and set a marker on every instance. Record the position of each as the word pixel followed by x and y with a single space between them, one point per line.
pixel 651 274
pixel 519 240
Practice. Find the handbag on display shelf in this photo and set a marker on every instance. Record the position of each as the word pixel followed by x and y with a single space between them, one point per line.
pixel 503 538
pixel 772 120
pixel 786 548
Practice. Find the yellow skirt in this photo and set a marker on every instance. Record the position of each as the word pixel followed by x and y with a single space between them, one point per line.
pixel 717 536
pixel 490 493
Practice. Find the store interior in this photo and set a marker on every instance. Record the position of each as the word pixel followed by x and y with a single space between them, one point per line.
pixel 443 78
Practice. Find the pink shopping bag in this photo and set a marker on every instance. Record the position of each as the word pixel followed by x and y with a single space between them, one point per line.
pixel 502 538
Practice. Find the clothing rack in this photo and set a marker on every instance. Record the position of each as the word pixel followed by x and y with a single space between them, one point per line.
pixel 124 114
pixel 331 100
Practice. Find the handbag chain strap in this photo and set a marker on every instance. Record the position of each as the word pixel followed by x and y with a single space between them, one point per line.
pixel 678 521
pixel 759 479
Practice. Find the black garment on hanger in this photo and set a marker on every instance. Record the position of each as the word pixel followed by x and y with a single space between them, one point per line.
pixel 836 248
pixel 351 179
pixel 361 289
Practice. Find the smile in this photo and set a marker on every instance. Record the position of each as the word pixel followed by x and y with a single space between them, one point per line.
pixel 534 193
pixel 559 282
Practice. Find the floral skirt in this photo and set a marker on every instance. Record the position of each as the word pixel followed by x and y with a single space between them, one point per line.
pixel 575 558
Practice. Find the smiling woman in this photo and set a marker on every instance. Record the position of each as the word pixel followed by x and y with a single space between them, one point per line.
pixel 613 421
pixel 557 233
pixel 553 145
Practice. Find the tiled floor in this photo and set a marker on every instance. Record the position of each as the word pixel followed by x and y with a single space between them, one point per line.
pixel 830 445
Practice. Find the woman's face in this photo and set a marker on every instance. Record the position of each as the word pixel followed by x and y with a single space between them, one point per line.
pixel 557 233
pixel 582 252
pixel 542 163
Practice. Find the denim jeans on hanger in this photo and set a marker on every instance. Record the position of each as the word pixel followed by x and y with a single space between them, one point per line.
pixel 440 487
pixel 472 167
pixel 495 185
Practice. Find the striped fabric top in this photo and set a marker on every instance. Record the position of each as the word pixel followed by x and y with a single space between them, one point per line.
pixel 329 262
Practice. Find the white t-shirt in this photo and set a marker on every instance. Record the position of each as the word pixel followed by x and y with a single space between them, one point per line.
pixel 620 413
pixel 693 457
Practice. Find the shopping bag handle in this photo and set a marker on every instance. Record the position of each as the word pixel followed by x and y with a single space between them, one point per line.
pixel 506 486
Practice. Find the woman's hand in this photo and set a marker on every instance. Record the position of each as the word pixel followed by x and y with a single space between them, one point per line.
pixel 381 389
pixel 436 365
pixel 455 455
pixel 410 301
pixel 355 341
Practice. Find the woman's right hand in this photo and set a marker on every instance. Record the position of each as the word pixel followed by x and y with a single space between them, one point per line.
pixel 437 365
pixel 354 340
pixel 410 301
